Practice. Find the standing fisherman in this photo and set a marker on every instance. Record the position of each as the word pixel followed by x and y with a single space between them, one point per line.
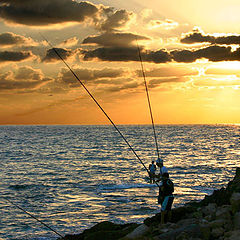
pixel 162 169
pixel 152 169
pixel 166 188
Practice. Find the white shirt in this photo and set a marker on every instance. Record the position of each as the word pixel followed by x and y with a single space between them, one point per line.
pixel 163 170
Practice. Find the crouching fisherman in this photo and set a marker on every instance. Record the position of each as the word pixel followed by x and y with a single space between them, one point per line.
pixel 165 198
pixel 152 169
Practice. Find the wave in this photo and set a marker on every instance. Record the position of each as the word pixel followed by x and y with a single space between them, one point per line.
pixel 23 186
pixel 126 186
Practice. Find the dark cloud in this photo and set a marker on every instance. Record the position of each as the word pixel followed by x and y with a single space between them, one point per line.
pixel 48 12
pixel 186 56
pixel 9 39
pixel 114 39
pixel 212 53
pixel 89 74
pixel 40 13
pixel 112 54
pixel 116 20
pixel 160 56
pixel 198 37
pixel 23 78
pixel 51 55
pixel 26 73
pixel 10 56
pixel 126 54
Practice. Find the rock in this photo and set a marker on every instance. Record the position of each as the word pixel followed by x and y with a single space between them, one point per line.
pixel 197 214
pixel 224 212
pixel 193 231
pixel 236 221
pixel 206 231
pixel 137 232
pixel 187 222
pixel 217 223
pixel 233 235
pixel 104 230
pixel 217 232
pixel 235 202
pixel 210 209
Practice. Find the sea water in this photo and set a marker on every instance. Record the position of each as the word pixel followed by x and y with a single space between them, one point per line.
pixel 72 177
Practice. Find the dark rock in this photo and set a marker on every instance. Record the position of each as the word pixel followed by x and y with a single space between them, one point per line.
pixel 186 231
pixel 104 230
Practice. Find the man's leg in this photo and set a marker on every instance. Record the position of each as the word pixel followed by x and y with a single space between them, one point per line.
pixel 163 214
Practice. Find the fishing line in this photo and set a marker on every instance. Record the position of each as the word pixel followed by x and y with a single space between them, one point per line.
pixel 32 216
pixel 94 99
pixel 148 98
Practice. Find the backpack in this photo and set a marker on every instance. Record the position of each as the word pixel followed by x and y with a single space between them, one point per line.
pixel 170 186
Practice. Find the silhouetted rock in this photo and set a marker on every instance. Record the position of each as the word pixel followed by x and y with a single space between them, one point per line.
pixel 104 230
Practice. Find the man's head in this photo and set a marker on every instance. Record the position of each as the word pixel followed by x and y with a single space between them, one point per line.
pixel 152 162
pixel 160 162
pixel 165 175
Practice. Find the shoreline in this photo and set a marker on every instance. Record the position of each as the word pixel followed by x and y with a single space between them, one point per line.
pixel 217 216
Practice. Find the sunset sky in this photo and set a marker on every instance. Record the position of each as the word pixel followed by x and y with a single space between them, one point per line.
pixel 190 51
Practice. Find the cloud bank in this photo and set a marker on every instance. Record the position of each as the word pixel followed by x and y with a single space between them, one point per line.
pixel 199 37
pixel 212 53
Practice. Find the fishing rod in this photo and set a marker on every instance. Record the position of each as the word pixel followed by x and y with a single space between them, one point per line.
pixel 148 98
pixel 32 216
pixel 94 99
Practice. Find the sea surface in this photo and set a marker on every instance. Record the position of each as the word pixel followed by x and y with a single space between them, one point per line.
pixel 71 177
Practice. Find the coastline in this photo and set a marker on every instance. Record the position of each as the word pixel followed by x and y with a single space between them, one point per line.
pixel 217 216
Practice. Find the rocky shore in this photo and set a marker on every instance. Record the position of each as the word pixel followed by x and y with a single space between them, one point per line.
pixel 217 216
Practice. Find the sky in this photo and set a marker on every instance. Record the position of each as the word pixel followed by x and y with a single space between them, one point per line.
pixel 190 52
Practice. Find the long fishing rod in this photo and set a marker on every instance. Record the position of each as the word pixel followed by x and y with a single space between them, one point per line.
pixel 148 98
pixel 32 216
pixel 94 99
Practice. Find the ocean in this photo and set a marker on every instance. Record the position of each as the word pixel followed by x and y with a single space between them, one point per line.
pixel 72 177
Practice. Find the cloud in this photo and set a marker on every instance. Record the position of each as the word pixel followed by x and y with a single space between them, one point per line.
pixel 170 71
pixel 69 42
pixel 23 78
pixel 11 39
pixel 51 55
pixel 85 74
pixel 114 39
pixel 55 12
pixel 131 85
pixel 166 24
pixel 212 53
pixel 116 20
pixel 153 83
pixel 11 56
pixel 42 13
pixel 27 72
pixel 200 37
pixel 126 54
pixel 216 82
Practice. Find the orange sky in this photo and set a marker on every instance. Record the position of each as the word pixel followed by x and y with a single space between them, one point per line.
pixel 191 61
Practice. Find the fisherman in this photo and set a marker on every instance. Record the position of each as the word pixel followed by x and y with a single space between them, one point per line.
pixel 162 169
pixel 166 190
pixel 152 169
